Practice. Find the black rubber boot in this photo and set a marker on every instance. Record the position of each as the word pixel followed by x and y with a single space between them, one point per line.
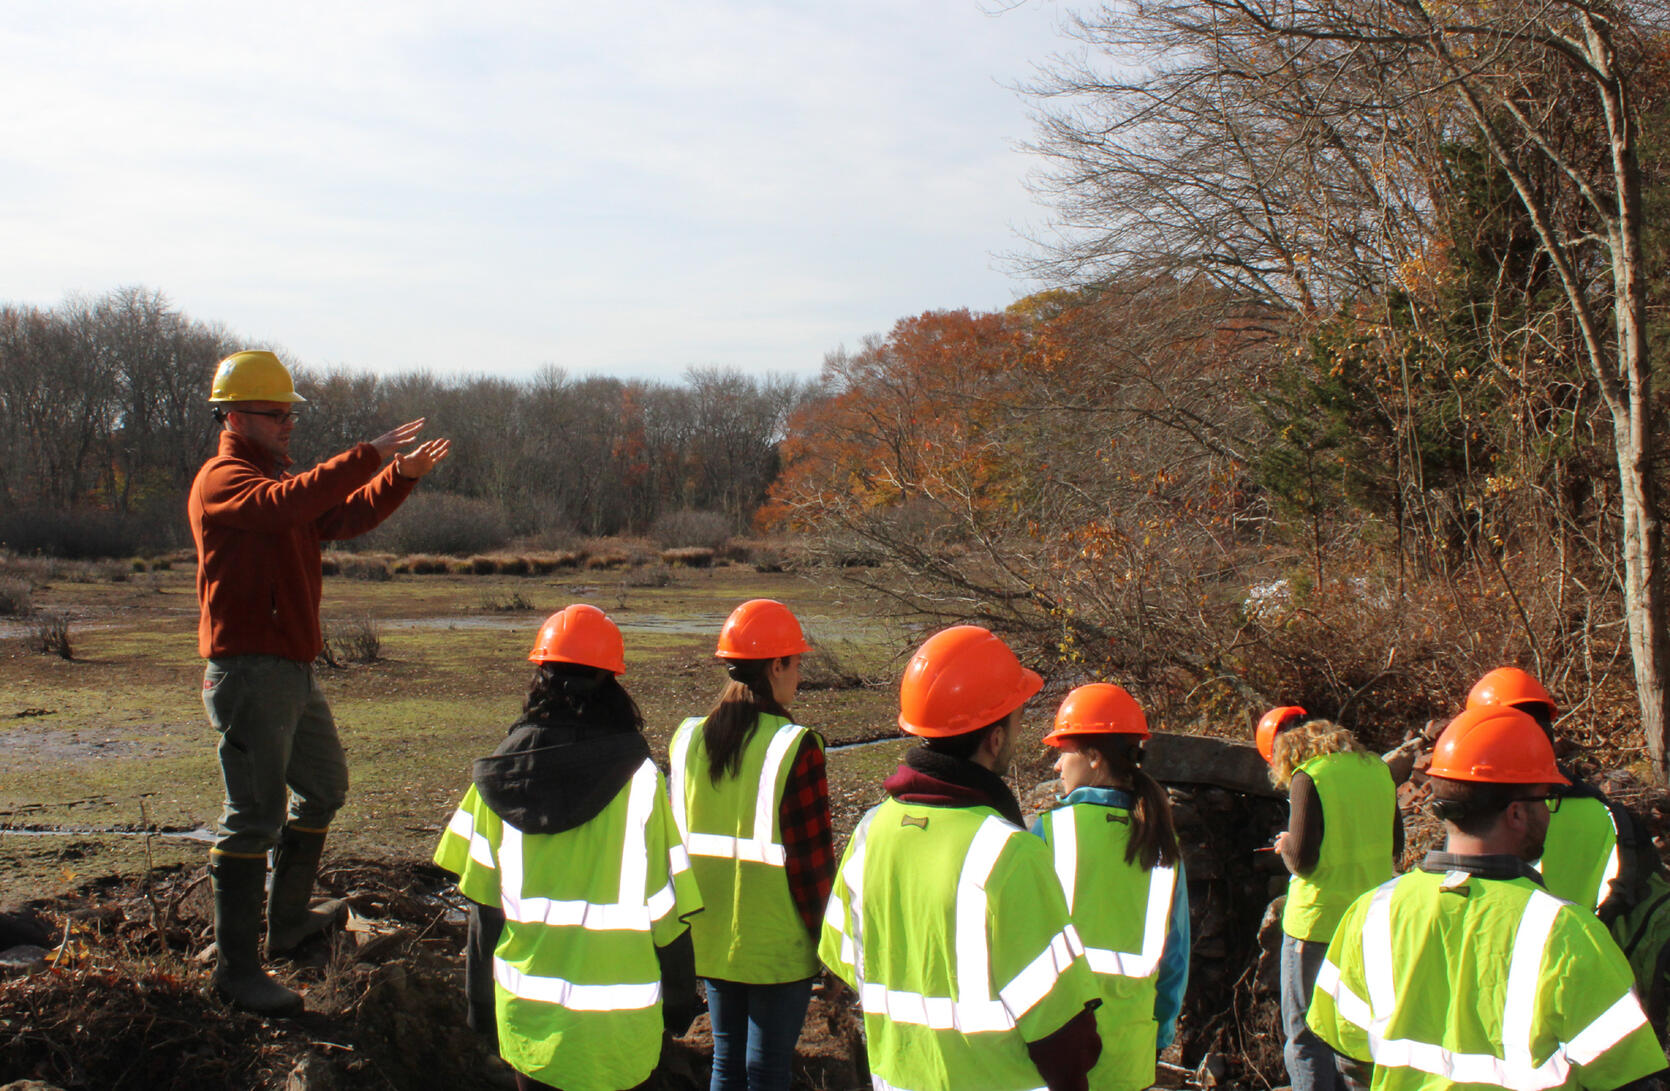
pixel 290 921
pixel 240 886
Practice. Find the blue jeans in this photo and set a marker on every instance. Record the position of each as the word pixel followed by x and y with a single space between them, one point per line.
pixel 755 1028
pixel 1310 1061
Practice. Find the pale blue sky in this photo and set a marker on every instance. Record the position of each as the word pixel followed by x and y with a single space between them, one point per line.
pixel 618 188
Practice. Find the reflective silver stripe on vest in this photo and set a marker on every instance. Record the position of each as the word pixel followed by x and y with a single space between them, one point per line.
pixel 1161 884
pixel 463 825
pixel 852 876
pixel 554 990
pixel 976 1011
pixel 631 911
pixel 760 848
pixel 1613 864
pixel 1515 1068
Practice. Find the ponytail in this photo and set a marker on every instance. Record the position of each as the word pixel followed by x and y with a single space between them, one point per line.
pixel 1153 836
pixel 1153 841
pixel 727 729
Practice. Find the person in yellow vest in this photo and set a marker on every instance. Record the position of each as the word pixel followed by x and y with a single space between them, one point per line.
pixel 1116 855
pixel 579 955
pixel 1343 837
pixel 947 918
pixel 1466 971
pixel 1580 859
pixel 752 800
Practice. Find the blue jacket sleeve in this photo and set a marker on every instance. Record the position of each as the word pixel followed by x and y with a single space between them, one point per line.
pixel 1173 977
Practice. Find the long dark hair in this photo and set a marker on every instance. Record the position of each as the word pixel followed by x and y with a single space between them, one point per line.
pixel 589 696
pixel 745 698
pixel 1153 835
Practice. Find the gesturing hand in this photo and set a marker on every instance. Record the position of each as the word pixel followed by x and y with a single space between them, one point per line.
pixel 421 459
pixel 390 442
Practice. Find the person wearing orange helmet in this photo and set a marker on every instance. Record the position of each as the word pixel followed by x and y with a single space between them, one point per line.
pixel 1116 854
pixel 579 955
pixel 1343 836
pixel 752 799
pixel 946 918
pixel 1466 971
pixel 1580 861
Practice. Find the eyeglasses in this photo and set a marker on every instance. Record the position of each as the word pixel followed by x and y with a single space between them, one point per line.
pixel 1553 800
pixel 279 415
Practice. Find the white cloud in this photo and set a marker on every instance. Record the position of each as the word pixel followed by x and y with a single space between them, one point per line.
pixel 623 188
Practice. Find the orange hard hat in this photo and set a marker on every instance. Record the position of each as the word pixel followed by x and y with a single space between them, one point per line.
pixel 580 634
pixel 960 680
pixel 1495 744
pixel 1271 725
pixel 1098 709
pixel 1509 686
pixel 761 629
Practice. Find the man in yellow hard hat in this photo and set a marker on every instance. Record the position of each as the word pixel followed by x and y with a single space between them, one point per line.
pixel 1466 971
pixel 257 528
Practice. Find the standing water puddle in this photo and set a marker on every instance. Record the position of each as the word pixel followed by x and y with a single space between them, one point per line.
pixel 207 837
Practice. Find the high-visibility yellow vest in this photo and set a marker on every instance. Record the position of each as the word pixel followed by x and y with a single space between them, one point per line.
pixel 1580 854
pixel 1358 803
pixel 1445 979
pixel 1122 913
pixel 952 928
pixel 750 930
pixel 577 981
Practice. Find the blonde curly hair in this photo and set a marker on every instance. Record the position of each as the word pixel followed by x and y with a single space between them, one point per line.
pixel 1297 745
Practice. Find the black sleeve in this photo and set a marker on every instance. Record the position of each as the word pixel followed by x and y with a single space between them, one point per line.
pixel 1066 1057
pixel 486 922
pixel 678 984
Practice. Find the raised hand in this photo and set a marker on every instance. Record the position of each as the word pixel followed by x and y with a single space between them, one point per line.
pixel 422 458
pixel 390 442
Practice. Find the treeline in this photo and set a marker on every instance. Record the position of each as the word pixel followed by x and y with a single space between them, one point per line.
pixel 104 421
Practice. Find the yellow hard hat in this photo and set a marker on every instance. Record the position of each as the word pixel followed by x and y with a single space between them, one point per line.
pixel 253 376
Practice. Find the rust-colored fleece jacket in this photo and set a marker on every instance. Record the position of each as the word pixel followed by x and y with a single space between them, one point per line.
pixel 258 531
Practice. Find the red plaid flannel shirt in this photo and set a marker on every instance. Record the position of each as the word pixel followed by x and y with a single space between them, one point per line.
pixel 808 841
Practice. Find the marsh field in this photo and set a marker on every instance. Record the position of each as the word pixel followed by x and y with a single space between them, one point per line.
pixel 107 762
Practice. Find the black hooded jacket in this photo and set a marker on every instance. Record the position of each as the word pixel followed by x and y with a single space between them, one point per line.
pixel 545 778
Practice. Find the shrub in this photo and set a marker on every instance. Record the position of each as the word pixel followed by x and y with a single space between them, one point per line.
pixel 15 599
pixel 424 564
pixel 329 566
pixel 612 559
pixel 649 576
pixel 689 557
pixel 375 569
pixel 50 635
pixel 438 522
pixel 706 529
pixel 514 603
pixel 358 640
pixel 515 566
pixel 483 566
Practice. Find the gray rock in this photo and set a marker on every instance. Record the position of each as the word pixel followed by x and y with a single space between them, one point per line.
pixel 23 959
pixel 1200 759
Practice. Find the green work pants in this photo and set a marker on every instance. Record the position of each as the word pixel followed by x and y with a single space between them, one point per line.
pixel 278 745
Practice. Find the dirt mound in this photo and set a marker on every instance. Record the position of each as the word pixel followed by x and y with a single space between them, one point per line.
pixel 121 1001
